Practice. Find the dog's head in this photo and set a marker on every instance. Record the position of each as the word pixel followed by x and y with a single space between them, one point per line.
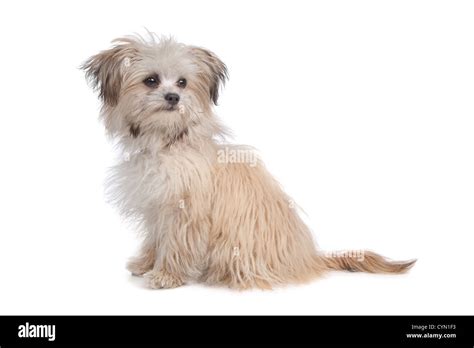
pixel 155 86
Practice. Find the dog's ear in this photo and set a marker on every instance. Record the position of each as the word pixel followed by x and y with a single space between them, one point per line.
pixel 216 70
pixel 105 70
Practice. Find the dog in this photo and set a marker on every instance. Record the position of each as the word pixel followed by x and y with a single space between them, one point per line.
pixel 208 211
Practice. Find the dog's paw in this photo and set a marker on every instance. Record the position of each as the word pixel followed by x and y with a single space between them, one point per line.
pixel 137 267
pixel 163 280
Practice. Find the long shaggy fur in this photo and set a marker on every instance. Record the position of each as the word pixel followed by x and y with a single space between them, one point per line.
pixel 205 219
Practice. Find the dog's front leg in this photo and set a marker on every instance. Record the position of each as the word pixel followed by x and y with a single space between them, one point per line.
pixel 167 271
pixel 145 259
pixel 180 250
pixel 163 279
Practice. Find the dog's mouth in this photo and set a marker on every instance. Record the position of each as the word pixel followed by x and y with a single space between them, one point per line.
pixel 166 108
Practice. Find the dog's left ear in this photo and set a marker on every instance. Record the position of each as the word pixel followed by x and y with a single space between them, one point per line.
pixel 215 69
pixel 105 70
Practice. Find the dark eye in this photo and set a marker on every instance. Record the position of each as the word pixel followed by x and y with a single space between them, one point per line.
pixel 152 81
pixel 182 83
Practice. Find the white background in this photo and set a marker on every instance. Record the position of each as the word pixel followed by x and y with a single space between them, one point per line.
pixel 362 109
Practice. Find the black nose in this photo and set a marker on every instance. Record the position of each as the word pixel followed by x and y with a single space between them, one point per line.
pixel 172 98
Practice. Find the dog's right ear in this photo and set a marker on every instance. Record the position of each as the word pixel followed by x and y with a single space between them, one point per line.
pixel 105 70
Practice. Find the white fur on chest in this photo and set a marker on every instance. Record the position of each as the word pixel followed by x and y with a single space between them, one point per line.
pixel 149 181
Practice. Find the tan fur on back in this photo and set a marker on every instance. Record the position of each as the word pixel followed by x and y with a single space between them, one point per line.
pixel 223 222
pixel 257 237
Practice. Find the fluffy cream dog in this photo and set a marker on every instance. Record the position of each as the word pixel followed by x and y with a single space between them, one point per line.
pixel 207 212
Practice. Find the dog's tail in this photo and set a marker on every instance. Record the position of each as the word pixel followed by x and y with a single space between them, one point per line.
pixel 365 261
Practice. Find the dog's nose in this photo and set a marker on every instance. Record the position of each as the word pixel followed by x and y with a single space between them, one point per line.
pixel 172 98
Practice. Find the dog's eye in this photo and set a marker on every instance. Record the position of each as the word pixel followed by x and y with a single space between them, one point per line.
pixel 152 81
pixel 182 83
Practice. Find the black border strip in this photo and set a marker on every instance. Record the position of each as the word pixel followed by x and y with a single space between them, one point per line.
pixel 223 330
